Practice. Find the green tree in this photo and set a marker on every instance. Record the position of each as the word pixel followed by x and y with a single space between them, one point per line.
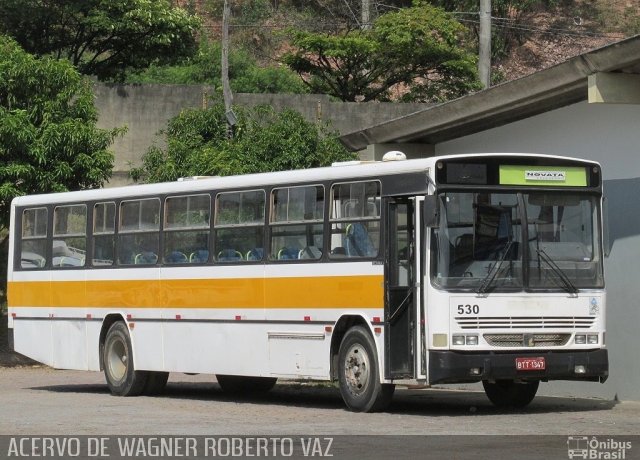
pixel 419 48
pixel 101 37
pixel 264 140
pixel 245 75
pixel 49 141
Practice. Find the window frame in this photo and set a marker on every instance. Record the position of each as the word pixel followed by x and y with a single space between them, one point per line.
pixel 174 230
pixel 63 236
pixel 258 224
pixel 157 230
pixel 336 221
pixel 103 233
pixel 20 238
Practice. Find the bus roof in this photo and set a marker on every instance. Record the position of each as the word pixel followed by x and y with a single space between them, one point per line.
pixel 348 170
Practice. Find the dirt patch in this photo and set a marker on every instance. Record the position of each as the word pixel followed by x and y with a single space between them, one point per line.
pixel 8 357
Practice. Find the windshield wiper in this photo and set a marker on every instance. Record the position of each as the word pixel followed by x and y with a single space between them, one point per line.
pixel 566 282
pixel 493 272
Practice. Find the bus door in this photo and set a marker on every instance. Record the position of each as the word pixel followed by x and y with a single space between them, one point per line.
pixel 399 311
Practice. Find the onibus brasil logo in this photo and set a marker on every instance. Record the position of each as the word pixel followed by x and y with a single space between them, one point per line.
pixel 593 448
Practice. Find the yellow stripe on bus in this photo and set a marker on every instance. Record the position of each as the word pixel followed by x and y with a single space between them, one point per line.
pixel 296 292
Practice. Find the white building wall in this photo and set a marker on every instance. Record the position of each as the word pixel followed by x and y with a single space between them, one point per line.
pixel 609 134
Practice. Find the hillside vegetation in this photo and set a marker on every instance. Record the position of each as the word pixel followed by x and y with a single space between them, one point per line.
pixel 528 35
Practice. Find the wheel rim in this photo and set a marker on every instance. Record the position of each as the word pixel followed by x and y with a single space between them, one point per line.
pixel 117 359
pixel 357 369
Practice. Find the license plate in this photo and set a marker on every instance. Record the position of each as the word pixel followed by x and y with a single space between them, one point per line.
pixel 530 364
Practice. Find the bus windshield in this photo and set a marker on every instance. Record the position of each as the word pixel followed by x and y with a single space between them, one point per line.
pixel 496 241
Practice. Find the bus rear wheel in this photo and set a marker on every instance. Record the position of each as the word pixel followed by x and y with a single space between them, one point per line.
pixel 119 371
pixel 359 375
pixel 242 384
pixel 507 393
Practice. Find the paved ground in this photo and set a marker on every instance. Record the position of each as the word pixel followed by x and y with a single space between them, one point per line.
pixel 36 400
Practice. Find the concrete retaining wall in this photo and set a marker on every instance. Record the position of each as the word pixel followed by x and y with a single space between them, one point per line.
pixel 146 109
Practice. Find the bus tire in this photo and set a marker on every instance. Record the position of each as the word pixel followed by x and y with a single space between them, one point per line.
pixel 156 382
pixel 119 370
pixel 358 373
pixel 507 393
pixel 243 384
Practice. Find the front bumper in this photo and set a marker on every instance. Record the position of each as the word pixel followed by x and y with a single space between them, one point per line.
pixel 454 366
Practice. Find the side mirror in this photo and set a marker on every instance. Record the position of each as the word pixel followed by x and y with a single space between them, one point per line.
pixel 431 211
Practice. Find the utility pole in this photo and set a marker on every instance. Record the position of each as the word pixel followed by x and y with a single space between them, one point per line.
pixel 366 14
pixel 226 87
pixel 484 59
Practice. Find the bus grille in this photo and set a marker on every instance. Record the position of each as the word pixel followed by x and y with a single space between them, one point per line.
pixel 527 340
pixel 529 322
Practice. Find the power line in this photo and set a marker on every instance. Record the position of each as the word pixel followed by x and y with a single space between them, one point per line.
pixel 499 22
pixel 550 30
pixel 505 23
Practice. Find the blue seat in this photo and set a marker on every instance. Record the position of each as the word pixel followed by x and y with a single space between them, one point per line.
pixel 357 241
pixel 229 255
pixel 288 254
pixel 145 258
pixel 310 252
pixel 176 257
pixel 198 257
pixel 255 254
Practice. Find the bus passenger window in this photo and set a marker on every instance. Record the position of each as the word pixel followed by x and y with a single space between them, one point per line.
pixel 104 225
pixel 186 229
pixel 239 226
pixel 139 235
pixel 33 247
pixel 69 236
pixel 296 223
pixel 355 216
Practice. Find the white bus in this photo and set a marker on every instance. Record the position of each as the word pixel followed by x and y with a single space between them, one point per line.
pixel 450 269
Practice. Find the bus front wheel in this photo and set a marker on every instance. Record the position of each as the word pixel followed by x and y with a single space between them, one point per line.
pixel 359 375
pixel 507 393
pixel 121 376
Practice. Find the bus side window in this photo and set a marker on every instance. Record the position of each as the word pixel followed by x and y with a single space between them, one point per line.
pixel 104 226
pixel 239 226
pixel 139 232
pixel 296 223
pixel 186 229
pixel 355 217
pixel 70 236
pixel 33 244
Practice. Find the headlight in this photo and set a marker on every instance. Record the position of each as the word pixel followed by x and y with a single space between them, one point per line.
pixel 581 339
pixel 472 340
pixel 464 340
pixel 592 339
